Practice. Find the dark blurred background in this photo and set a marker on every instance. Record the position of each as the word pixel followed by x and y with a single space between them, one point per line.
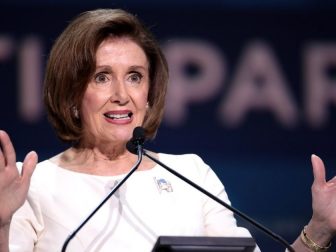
pixel 252 91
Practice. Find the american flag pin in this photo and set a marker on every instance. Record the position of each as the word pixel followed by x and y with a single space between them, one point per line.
pixel 163 185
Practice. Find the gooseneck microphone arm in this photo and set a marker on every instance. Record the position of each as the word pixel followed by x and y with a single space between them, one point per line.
pixel 139 151
pixel 237 212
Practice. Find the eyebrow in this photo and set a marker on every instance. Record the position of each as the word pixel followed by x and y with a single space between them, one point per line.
pixel 144 68
pixel 108 68
pixel 104 67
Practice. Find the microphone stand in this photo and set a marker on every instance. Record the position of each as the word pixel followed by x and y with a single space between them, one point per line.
pixel 239 213
pixel 115 188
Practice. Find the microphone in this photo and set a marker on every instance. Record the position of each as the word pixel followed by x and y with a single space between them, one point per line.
pixel 136 143
pixel 259 226
pixel 137 140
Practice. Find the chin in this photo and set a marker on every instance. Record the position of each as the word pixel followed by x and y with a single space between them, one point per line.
pixel 121 135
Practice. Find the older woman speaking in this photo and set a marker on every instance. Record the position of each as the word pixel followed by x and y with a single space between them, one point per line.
pixel 105 76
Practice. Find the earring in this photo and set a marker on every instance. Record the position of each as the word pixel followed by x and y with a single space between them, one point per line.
pixel 75 112
pixel 147 105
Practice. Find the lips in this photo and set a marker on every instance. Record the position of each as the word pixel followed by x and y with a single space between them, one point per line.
pixel 118 115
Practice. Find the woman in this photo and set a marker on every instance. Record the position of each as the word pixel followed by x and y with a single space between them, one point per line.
pixel 105 76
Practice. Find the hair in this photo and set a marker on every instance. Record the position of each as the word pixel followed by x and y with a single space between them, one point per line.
pixel 72 62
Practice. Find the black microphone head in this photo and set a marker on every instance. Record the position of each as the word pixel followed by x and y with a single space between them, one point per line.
pixel 137 139
pixel 139 134
pixel 131 147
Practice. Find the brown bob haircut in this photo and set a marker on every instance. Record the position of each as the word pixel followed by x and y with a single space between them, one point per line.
pixel 72 63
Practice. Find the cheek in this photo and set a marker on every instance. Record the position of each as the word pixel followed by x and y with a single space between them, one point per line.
pixel 142 102
pixel 92 101
pixel 143 97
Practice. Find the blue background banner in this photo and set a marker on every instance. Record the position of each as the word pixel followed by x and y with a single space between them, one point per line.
pixel 252 91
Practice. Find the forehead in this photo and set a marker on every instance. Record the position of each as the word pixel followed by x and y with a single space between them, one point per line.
pixel 120 50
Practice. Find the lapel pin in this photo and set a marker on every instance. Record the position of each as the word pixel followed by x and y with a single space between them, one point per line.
pixel 163 185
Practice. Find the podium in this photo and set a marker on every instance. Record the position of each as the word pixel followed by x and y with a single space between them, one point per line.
pixel 204 244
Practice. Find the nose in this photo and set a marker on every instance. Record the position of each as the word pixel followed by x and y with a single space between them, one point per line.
pixel 119 93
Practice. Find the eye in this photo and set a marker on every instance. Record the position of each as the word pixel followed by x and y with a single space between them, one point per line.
pixel 135 77
pixel 101 78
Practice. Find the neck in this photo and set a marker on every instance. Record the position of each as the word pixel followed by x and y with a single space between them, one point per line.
pixel 109 162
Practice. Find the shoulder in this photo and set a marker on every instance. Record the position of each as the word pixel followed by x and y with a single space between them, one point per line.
pixel 44 172
pixel 195 169
pixel 190 165
pixel 182 159
pixel 39 167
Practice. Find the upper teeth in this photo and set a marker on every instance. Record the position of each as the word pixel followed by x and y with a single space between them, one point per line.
pixel 117 116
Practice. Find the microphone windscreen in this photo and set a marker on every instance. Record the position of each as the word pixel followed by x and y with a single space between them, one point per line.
pixel 138 133
pixel 131 147
pixel 137 139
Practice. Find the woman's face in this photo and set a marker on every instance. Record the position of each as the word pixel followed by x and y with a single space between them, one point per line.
pixel 115 100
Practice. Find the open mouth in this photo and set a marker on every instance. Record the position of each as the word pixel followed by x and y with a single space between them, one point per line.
pixel 119 116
